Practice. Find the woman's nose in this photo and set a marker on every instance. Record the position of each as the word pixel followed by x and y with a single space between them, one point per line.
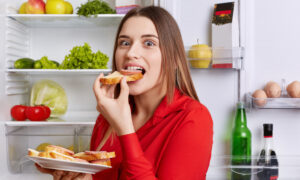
pixel 134 51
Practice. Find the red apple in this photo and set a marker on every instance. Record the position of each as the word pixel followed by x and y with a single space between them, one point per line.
pixel 35 7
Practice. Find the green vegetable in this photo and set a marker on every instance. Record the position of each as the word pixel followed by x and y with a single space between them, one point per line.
pixel 94 7
pixel 51 94
pixel 24 63
pixel 82 57
pixel 45 63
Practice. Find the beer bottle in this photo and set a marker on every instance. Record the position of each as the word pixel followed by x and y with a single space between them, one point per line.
pixel 241 146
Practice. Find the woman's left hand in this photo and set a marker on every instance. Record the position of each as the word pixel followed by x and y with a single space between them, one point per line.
pixel 116 111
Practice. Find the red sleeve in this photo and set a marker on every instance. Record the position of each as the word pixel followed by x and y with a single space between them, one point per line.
pixel 187 155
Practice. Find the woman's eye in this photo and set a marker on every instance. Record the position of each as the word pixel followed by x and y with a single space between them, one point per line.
pixel 124 43
pixel 149 43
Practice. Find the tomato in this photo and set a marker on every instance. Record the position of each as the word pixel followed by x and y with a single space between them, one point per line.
pixel 36 113
pixel 47 111
pixel 18 112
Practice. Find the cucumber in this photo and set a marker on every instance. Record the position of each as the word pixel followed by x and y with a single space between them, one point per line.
pixel 24 63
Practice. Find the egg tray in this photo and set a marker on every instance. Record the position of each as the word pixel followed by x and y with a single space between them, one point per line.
pixel 284 102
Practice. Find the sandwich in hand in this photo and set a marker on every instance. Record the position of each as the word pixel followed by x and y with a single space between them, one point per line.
pixel 115 77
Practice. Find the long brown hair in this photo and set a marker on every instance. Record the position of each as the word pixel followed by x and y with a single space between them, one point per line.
pixel 177 73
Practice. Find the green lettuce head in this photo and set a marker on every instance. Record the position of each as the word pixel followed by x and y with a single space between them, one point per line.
pixel 51 94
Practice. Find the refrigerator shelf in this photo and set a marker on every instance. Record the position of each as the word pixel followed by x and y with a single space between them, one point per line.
pixel 45 123
pixel 215 58
pixel 66 20
pixel 272 103
pixel 59 71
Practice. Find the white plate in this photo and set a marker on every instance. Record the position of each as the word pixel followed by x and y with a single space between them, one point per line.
pixel 68 165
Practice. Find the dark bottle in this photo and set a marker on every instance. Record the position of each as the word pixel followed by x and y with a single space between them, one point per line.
pixel 241 146
pixel 267 158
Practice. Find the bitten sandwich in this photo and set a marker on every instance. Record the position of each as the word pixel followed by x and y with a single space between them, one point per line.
pixel 116 77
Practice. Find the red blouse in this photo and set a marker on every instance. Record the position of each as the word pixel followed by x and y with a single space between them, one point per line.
pixel 175 143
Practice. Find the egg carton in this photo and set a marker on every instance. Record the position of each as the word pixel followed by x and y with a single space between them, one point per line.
pixel 282 102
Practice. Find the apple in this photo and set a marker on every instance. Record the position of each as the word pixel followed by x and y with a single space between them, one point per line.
pixel 69 8
pixel 22 9
pixel 200 55
pixel 55 7
pixel 35 7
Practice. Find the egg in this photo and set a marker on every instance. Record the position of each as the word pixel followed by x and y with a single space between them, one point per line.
pixel 260 97
pixel 293 89
pixel 272 89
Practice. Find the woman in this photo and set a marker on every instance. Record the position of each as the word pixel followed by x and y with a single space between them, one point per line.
pixel 156 125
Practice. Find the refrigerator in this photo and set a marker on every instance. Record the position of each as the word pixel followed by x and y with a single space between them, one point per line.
pixel 268 33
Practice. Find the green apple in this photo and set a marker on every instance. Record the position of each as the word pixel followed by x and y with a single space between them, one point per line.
pixel 22 9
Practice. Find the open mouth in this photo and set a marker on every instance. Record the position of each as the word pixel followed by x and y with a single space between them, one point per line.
pixel 134 69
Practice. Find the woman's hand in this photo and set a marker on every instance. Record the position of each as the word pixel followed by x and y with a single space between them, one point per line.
pixel 116 111
pixel 64 175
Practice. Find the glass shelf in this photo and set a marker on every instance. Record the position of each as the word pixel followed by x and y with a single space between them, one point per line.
pixel 59 71
pixel 272 103
pixel 217 58
pixel 221 167
pixel 66 20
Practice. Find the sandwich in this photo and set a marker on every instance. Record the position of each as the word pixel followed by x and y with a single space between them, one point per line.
pixel 60 153
pixel 116 76
pixel 96 157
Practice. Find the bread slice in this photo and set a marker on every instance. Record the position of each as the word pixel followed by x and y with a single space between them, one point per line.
pixel 61 156
pixel 116 77
pixel 44 155
pixel 33 153
pixel 59 149
pixel 105 162
pixel 94 155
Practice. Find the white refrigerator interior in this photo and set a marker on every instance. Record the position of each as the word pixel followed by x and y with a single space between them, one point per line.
pixel 268 34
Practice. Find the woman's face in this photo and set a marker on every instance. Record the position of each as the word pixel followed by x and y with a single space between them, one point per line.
pixel 138 48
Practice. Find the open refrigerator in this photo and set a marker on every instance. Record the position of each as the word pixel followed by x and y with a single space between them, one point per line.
pixel 219 89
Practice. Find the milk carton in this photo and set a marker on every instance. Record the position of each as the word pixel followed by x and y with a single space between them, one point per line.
pixel 225 35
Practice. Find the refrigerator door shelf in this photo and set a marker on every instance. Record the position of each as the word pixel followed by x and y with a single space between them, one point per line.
pixel 272 103
pixel 215 58
pixel 67 20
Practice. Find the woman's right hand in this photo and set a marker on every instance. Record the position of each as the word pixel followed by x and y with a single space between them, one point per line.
pixel 64 175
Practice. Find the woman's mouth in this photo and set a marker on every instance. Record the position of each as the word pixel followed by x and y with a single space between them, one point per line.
pixel 134 69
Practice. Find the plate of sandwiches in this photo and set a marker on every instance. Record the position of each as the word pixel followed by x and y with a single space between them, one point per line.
pixel 59 158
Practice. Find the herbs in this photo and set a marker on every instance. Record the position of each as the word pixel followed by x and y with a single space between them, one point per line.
pixel 82 57
pixel 94 7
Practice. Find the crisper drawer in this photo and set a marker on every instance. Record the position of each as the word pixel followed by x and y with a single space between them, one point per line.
pixel 21 137
pixel 221 169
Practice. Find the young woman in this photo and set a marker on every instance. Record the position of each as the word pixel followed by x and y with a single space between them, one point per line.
pixel 156 125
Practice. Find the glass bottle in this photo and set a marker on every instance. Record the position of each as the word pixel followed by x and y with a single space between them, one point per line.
pixel 241 146
pixel 267 157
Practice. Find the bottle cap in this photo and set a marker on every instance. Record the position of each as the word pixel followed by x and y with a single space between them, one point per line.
pixel 240 105
pixel 268 130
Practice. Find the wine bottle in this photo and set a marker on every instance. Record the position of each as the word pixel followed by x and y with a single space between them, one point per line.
pixel 241 146
pixel 267 158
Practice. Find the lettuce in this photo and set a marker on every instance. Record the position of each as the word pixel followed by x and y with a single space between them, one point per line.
pixel 51 94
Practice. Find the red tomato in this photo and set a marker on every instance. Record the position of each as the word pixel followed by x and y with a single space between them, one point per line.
pixel 18 112
pixel 35 113
pixel 47 111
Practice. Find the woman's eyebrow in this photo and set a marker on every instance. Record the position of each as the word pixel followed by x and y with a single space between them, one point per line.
pixel 123 36
pixel 150 35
